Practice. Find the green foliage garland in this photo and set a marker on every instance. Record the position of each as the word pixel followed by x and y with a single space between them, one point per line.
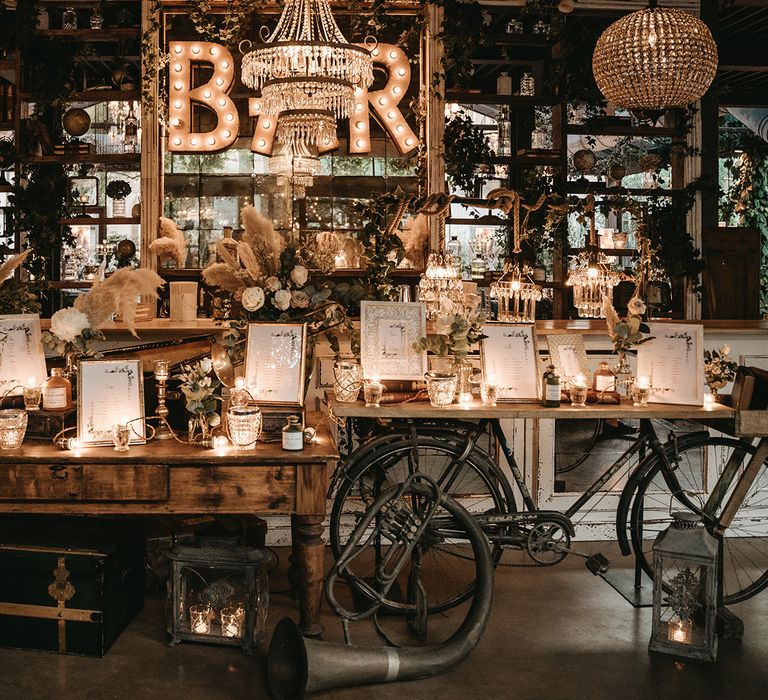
pixel 465 149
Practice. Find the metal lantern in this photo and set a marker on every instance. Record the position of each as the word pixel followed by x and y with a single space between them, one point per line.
pixel 440 287
pixel 685 590
pixel 517 294
pixel 218 595
pixel 655 59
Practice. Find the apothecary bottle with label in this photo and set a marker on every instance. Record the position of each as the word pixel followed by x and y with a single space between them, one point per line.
pixel 57 391
pixel 550 388
pixel 293 434
pixel 605 379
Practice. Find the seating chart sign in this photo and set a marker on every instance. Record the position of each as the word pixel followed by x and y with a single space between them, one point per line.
pixel 673 362
pixel 510 360
pixel 109 392
pixel 275 359
pixel 388 331
pixel 22 359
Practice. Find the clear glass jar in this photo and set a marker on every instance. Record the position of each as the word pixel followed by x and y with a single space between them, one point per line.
pixel 244 426
pixel 57 391
pixel 505 133
pixel 504 84
pixel 96 20
pixel 478 268
pixel 527 85
pixel 454 248
pixel 441 387
pixel 69 18
pixel 347 380
pixel 293 434
pixel 13 426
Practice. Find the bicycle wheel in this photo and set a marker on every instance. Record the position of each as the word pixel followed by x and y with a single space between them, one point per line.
pixel 582 438
pixel 394 517
pixel 475 483
pixel 745 543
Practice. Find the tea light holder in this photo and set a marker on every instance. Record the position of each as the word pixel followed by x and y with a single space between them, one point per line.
pixel 441 387
pixel 243 426
pixel 162 375
pixel 641 391
pixel 200 619
pixel 489 393
pixel 347 380
pixel 232 619
pixel 121 436
pixel 13 427
pixel 373 390
pixel 579 391
pixel 32 391
pixel 710 401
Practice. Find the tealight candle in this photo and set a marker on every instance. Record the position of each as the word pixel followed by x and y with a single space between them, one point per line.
pixel 121 435
pixel 232 619
pixel 162 370
pixel 372 392
pixel 489 392
pixel 32 394
pixel 643 382
pixel 200 619
pixel 579 390
pixel 680 631
pixel 641 390
pixel 709 402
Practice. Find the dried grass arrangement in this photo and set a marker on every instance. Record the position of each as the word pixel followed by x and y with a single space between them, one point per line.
pixel 170 244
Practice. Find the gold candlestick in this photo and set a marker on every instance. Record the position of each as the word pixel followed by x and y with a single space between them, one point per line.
pixel 162 374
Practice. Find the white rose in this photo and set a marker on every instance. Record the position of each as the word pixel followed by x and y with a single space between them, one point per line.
pixel 253 298
pixel 282 299
pixel 636 306
pixel 299 275
pixel 272 284
pixel 725 349
pixel 67 324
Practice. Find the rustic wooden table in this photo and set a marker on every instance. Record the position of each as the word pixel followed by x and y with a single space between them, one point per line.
pixel 173 478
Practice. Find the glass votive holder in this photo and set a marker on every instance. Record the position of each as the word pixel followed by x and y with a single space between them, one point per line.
pixel 13 426
pixel 441 387
pixel 578 395
pixel 244 426
pixel 32 396
pixel 372 392
pixel 232 619
pixel 121 436
pixel 347 380
pixel 489 393
pixel 640 394
pixel 200 619
pixel 162 370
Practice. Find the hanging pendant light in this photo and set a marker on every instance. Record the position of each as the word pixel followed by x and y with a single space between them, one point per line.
pixel 298 166
pixel 655 59
pixel 440 287
pixel 516 293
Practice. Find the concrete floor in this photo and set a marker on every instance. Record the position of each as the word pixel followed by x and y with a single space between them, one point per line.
pixel 554 633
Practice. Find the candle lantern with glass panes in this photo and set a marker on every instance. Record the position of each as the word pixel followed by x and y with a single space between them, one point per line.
pixel 685 590
pixel 218 594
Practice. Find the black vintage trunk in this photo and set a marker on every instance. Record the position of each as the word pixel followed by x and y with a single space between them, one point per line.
pixel 100 594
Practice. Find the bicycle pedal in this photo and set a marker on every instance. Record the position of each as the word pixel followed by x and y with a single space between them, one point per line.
pixel 597 564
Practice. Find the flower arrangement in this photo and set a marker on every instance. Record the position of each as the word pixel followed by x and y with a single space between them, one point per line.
pixel 266 278
pixel 454 335
pixel 719 369
pixel 200 394
pixel 118 189
pixel 73 329
pixel 626 333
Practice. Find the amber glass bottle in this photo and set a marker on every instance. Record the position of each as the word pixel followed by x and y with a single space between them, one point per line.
pixel 57 392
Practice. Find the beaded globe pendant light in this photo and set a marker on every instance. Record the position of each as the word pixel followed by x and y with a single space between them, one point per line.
pixel 655 59
pixel 306 72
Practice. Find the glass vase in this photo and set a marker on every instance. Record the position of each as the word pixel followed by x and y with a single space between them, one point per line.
pixel 198 428
pixel 441 387
pixel 463 370
pixel 624 379
pixel 347 380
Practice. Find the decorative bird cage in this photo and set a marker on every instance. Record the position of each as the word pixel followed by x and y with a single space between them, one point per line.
pixel 440 288
pixel 685 590
pixel 218 595
pixel 517 294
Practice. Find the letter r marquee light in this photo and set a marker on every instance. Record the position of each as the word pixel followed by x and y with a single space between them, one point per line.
pixel 215 95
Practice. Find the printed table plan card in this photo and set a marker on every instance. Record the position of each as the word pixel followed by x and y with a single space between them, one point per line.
pixel 673 362
pixel 510 361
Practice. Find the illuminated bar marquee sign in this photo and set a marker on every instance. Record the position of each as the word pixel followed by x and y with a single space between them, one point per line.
pixel 215 95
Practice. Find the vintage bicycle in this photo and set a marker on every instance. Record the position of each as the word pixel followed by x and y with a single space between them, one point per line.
pixel 663 474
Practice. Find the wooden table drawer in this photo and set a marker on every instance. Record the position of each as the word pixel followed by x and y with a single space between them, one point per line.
pixel 87 482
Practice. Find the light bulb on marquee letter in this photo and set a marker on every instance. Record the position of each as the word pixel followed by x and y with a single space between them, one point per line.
pixel 385 103
pixel 213 95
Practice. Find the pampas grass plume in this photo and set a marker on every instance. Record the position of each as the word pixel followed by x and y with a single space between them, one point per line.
pixel 170 243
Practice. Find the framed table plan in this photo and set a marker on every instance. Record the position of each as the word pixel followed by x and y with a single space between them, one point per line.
pixel 388 331
pixel 110 392
pixel 569 356
pixel 509 358
pixel 674 363
pixel 22 359
pixel 275 363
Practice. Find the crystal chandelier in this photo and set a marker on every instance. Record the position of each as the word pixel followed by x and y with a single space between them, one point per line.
pixel 591 275
pixel 307 72
pixel 440 288
pixel 517 294
pixel 298 164
pixel 655 59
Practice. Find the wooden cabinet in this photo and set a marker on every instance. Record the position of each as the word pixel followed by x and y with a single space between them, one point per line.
pixel 731 277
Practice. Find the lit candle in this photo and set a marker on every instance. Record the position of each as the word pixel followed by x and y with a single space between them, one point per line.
pixel 200 619
pixel 642 383
pixel 579 380
pixel 680 631
pixel 709 402
pixel 162 370
pixel 32 383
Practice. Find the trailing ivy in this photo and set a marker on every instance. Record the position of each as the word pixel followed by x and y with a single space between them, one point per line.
pixel 466 150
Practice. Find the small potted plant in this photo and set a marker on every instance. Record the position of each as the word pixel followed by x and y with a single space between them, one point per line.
pixel 117 191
